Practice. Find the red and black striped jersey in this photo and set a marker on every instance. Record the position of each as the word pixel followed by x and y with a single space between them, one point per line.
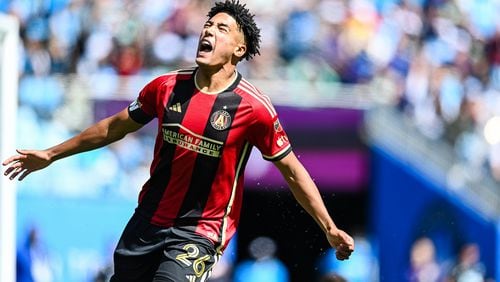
pixel 203 144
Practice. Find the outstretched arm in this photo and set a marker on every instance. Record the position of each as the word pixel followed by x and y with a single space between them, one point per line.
pixel 98 135
pixel 306 193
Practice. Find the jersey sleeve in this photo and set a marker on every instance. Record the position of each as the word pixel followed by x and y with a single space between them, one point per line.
pixel 268 135
pixel 143 109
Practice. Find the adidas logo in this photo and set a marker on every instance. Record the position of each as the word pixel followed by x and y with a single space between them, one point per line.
pixel 176 108
pixel 191 278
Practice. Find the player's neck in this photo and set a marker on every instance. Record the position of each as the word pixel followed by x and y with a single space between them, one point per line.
pixel 213 82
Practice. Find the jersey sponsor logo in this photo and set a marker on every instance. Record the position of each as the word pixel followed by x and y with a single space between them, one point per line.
pixel 220 120
pixel 176 107
pixel 282 140
pixel 134 105
pixel 191 141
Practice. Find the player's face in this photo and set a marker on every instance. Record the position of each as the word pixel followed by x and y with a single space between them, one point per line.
pixel 221 41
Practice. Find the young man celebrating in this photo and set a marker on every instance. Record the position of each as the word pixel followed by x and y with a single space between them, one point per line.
pixel 209 117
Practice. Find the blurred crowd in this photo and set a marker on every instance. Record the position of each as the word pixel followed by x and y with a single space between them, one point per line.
pixel 438 61
pixel 426 265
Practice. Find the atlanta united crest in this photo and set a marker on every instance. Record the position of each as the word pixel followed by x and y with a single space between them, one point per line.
pixel 220 120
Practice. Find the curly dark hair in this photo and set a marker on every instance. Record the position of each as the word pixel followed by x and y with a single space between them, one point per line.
pixel 245 21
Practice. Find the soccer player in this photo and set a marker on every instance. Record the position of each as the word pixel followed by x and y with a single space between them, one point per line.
pixel 209 117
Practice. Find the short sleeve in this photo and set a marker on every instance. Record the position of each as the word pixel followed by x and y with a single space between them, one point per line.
pixel 268 135
pixel 143 109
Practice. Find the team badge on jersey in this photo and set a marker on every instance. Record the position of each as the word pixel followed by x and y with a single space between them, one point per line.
pixel 220 120
pixel 277 126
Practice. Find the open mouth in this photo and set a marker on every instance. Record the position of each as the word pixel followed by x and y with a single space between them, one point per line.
pixel 205 46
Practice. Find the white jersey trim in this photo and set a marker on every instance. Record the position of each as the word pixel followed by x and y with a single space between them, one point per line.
pixel 278 154
pixel 263 99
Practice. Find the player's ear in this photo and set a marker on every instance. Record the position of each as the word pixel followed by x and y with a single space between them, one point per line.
pixel 240 50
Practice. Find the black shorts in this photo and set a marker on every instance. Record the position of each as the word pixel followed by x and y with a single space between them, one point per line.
pixel 147 252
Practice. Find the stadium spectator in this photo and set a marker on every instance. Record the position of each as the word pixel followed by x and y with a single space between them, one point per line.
pixel 33 262
pixel 468 266
pixel 263 265
pixel 423 264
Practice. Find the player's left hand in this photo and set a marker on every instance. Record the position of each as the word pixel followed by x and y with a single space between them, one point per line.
pixel 342 242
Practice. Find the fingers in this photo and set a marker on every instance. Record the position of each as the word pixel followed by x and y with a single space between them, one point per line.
pixel 12 168
pixel 22 155
pixel 15 171
pixel 343 252
pixel 16 165
pixel 342 255
pixel 13 159
pixel 25 173
pixel 344 246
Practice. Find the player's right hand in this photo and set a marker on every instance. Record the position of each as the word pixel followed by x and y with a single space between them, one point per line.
pixel 25 163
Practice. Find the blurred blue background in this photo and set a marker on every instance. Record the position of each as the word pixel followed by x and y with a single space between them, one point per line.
pixel 393 106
